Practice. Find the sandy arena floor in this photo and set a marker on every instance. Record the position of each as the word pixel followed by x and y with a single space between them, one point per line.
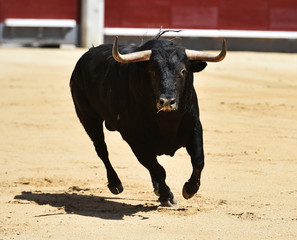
pixel 53 186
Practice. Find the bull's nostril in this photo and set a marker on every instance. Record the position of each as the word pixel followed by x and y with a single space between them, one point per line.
pixel 172 101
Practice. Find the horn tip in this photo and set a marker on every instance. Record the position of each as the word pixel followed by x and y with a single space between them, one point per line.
pixel 115 52
pixel 224 50
pixel 224 44
pixel 115 40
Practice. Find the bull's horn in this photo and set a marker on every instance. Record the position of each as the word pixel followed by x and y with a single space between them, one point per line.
pixel 130 57
pixel 198 55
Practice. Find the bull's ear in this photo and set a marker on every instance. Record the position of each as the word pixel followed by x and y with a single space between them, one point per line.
pixel 197 66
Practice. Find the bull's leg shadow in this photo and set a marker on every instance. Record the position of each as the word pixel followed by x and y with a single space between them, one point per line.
pixel 195 150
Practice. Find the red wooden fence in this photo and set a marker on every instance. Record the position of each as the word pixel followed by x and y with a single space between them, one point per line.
pixel 40 9
pixel 275 15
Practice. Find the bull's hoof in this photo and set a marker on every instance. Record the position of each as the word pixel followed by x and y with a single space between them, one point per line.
pixel 189 190
pixel 116 189
pixel 170 203
pixel 185 194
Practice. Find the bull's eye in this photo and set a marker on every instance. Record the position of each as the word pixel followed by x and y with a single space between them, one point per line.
pixel 183 72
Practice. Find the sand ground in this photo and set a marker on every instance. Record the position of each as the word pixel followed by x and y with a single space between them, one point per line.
pixel 53 186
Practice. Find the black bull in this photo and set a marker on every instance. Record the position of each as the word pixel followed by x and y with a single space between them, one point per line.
pixel 147 94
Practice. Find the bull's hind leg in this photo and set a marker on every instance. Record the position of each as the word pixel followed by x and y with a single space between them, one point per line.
pixel 95 131
pixel 94 128
pixel 155 186
pixel 195 149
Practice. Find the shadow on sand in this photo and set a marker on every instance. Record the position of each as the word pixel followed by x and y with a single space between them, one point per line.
pixel 94 206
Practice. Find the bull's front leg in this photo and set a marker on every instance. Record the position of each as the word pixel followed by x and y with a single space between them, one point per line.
pixel 195 150
pixel 158 176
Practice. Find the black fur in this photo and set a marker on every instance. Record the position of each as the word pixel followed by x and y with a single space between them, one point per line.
pixel 125 96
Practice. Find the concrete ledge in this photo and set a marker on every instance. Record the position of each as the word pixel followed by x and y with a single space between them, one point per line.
pixel 212 43
pixel 39 34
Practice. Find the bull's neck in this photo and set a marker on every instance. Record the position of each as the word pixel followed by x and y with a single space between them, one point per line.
pixel 168 124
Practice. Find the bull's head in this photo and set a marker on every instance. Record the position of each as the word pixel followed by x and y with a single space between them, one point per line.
pixel 170 68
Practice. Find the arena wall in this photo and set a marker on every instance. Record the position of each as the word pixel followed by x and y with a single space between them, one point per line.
pixel 260 25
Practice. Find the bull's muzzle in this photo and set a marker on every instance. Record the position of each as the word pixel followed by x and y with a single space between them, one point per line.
pixel 166 105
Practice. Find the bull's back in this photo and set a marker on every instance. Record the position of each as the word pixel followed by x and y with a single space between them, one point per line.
pixel 90 82
pixel 102 84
